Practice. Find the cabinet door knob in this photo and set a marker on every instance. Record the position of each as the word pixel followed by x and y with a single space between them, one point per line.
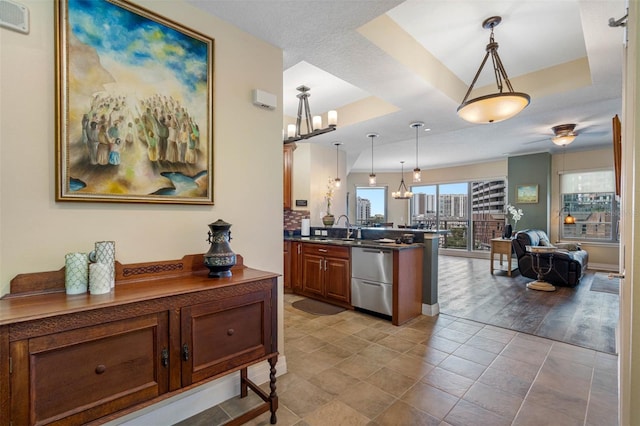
pixel 230 332
pixel 101 369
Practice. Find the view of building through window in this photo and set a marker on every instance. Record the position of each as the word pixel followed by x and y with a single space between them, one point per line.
pixel 590 198
pixel 371 208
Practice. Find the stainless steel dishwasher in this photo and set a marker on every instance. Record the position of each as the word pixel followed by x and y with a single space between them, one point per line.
pixel 372 279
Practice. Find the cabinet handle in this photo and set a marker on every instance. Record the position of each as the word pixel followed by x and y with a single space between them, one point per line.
pixel 101 369
pixel 185 352
pixel 322 250
pixel 164 357
pixel 298 248
pixel 230 332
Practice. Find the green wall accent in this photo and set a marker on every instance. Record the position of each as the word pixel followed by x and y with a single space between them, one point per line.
pixel 528 170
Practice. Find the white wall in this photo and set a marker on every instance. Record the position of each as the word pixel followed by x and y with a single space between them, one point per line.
pixel 36 231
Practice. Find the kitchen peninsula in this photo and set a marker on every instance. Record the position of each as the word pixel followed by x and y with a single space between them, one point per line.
pixel 376 274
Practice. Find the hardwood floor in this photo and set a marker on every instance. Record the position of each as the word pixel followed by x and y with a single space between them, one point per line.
pixel 577 316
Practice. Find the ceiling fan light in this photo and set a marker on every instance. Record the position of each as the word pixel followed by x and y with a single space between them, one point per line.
pixel 493 108
pixel 563 140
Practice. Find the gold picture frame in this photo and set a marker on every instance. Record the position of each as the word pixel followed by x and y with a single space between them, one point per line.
pixel 527 194
pixel 134 106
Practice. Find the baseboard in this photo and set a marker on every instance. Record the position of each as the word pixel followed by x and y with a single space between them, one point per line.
pixel 602 267
pixel 430 310
pixel 190 403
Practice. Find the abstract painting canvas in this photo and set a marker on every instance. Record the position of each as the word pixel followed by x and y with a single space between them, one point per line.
pixel 134 106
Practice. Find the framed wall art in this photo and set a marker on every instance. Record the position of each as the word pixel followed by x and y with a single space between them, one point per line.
pixel 134 106
pixel 527 194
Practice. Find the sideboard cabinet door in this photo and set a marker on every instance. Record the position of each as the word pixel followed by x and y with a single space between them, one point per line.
pixel 222 335
pixel 80 375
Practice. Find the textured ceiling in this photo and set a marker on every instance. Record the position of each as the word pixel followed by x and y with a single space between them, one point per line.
pixel 385 64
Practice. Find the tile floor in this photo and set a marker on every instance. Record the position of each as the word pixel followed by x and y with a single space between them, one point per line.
pixel 356 369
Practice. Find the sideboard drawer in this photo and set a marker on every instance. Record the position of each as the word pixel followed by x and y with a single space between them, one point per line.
pixel 83 374
pixel 223 335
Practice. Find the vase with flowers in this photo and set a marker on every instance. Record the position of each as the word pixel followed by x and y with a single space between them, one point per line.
pixel 328 219
pixel 516 215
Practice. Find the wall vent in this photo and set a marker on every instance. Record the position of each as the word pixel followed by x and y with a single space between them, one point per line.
pixel 14 16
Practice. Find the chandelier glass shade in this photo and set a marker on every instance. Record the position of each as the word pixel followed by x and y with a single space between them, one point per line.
pixel 402 193
pixel 337 181
pixel 313 124
pixel 372 176
pixel 417 173
pixel 498 106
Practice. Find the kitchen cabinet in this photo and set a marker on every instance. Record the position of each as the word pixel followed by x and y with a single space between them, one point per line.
pixel 326 273
pixel 296 265
pixel 287 155
pixel 286 267
pixel 166 328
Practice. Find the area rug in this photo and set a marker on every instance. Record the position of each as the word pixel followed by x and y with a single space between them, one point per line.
pixel 315 307
pixel 603 284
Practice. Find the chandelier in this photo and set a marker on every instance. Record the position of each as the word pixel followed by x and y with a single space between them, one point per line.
pixel 402 193
pixel 313 124
pixel 372 176
pixel 497 106
pixel 564 134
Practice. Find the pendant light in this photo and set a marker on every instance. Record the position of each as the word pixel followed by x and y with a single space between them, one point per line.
pixel 417 173
pixel 372 176
pixel 402 193
pixel 336 181
pixel 496 106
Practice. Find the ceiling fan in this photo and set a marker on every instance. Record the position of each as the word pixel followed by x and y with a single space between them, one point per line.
pixel 564 134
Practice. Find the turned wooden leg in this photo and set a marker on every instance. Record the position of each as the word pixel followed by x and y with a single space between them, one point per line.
pixel 273 396
pixel 243 383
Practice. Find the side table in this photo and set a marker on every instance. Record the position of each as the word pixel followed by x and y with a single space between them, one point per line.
pixel 502 246
pixel 537 252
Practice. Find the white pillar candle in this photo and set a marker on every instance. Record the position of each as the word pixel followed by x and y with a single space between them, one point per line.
pixel 99 278
pixel 317 122
pixel 291 130
pixel 332 118
pixel 76 273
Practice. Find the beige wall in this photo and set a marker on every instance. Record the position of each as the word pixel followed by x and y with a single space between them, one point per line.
pixel 313 165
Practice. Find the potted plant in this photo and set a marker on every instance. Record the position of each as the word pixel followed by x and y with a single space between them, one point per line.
pixel 516 215
pixel 328 219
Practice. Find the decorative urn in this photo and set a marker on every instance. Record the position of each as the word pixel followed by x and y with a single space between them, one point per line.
pixel 220 258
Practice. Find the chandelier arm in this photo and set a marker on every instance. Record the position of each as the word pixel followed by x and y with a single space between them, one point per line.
pixel 307 112
pixel 475 78
pixel 299 118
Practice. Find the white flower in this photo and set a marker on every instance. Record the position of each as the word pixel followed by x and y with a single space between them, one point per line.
pixel 516 214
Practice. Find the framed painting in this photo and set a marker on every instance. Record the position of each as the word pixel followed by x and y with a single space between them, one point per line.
pixel 527 194
pixel 134 106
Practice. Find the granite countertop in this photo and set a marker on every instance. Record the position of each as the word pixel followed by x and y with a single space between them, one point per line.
pixel 353 242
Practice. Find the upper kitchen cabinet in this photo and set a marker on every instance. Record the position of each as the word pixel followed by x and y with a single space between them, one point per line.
pixel 288 174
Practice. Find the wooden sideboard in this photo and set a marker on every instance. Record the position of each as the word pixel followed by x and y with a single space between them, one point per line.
pixel 166 328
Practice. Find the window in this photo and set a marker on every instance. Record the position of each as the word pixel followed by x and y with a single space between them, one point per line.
pixel 371 205
pixel 590 198
pixel 467 214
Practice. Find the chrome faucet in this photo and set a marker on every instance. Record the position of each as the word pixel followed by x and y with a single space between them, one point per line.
pixel 346 219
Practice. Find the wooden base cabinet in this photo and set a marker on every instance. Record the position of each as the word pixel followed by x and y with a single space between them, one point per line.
pixel 326 273
pixel 165 328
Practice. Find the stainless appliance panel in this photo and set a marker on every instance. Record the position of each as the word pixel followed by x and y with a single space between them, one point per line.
pixel 372 295
pixel 372 264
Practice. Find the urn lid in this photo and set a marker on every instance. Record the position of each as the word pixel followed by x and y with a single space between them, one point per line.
pixel 219 224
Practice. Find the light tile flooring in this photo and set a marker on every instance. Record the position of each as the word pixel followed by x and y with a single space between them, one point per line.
pixel 355 369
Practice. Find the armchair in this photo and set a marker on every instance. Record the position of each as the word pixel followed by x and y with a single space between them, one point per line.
pixel 567 266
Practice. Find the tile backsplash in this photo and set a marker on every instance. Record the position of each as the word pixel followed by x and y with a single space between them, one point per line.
pixel 293 219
